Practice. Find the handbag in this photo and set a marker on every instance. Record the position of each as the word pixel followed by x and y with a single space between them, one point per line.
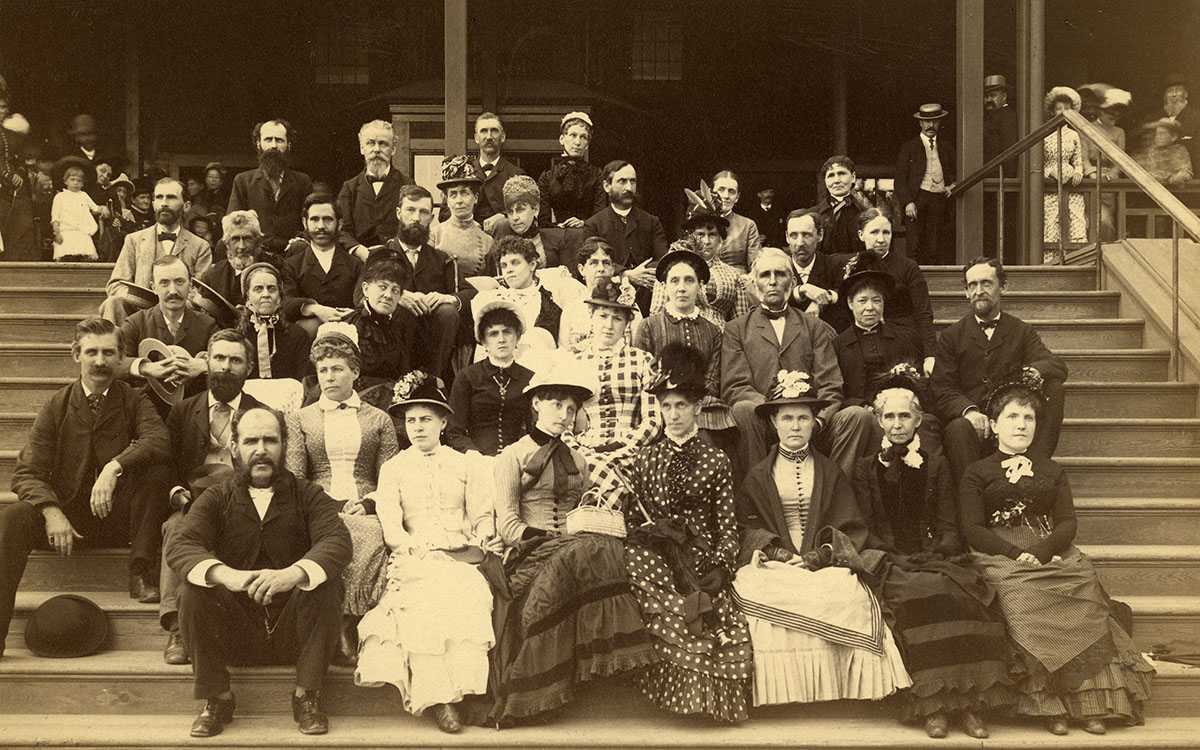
pixel 595 515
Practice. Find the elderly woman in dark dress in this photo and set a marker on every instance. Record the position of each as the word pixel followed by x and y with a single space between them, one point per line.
pixel 1018 517
pixel 681 555
pixel 571 188
pixel 939 609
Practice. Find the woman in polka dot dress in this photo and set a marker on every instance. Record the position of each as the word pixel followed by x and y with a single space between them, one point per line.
pixel 680 556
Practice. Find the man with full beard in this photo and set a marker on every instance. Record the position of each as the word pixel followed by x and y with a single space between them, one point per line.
pixel 319 278
pixel 242 238
pixel 432 299
pixel 199 427
pixel 92 475
pixel 636 236
pixel 273 191
pixel 368 199
pixel 262 554
pixel 167 237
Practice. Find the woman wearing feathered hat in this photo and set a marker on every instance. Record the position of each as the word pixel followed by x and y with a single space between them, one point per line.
pixel 431 632
pixel 571 189
pixel 1018 518
pixel 931 598
pixel 1110 104
pixel 340 442
pixel 817 632
pixel 1070 167
pixel 681 552
pixel 460 236
pixel 569 615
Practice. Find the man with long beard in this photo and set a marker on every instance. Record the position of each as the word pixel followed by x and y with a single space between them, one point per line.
pixel 432 298
pixel 199 427
pixel 262 555
pixel 273 191
pixel 368 199
pixel 242 237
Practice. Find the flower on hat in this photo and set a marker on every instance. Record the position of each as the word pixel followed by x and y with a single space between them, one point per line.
pixel 406 385
pixel 907 370
pixel 791 384
pixel 457 168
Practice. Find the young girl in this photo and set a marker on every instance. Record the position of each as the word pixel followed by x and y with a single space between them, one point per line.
pixel 71 217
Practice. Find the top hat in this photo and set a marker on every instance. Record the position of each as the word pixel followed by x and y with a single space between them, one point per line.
pixel 416 388
pixel 458 170
pixel 214 303
pixel 930 112
pixel 993 82
pixel 142 298
pixel 155 350
pixel 66 626
pixel 683 255
pixel 790 387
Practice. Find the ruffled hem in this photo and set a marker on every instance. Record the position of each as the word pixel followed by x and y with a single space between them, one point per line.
pixel 685 691
pixel 424 680
pixel 956 699
pixel 791 666
pixel 1117 692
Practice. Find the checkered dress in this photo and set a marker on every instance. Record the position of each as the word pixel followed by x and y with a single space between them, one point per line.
pixel 725 295
pixel 622 414
pixel 700 333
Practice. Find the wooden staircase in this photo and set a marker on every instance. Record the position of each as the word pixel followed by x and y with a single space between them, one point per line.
pixel 1130 441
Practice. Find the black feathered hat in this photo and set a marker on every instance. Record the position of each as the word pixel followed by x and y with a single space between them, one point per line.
pixel 864 268
pixel 679 368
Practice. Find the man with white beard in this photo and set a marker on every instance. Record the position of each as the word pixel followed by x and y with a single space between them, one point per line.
pixel 368 200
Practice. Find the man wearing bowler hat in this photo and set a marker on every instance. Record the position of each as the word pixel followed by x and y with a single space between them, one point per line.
pixel 924 179
pixel 93 473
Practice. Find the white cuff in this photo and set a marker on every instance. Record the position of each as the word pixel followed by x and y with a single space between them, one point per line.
pixel 135 367
pixel 316 574
pixel 198 575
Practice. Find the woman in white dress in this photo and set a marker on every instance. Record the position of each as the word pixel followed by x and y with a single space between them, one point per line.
pixel 1074 166
pixel 431 632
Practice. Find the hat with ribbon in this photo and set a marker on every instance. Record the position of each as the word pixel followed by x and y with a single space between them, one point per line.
pixel 154 350
pixel 214 303
pixel 142 298
pixel 418 388
pixel 564 371
pixel 681 368
pixel 930 112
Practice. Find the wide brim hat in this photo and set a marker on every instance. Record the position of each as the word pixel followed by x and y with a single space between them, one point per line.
pixel 930 112
pixel 485 302
pixel 791 388
pixel 418 388
pixel 564 371
pixel 154 350
pixel 142 298
pixel 1165 122
pixel 66 626
pixel 214 303
pixel 458 170
pixel 864 267
pixel 122 179
pixel 60 167
pixel 703 274
pixel 993 82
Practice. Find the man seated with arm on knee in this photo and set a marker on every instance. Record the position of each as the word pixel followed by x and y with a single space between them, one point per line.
pixel 319 277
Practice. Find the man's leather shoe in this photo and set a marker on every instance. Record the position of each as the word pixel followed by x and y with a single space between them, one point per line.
pixel 142 591
pixel 937 726
pixel 446 716
pixel 216 714
pixel 974 726
pixel 307 712
pixel 347 653
pixel 175 653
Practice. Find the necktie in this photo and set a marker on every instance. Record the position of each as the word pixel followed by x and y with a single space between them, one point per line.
pixel 487 168
pixel 988 325
pixel 374 179
pixel 167 236
pixel 932 143
pixel 774 314
pixel 94 401
pixel 222 415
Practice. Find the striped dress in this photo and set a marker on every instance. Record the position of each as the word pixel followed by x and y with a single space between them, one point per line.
pixel 663 328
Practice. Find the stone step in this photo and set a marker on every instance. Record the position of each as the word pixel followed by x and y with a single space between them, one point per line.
pixel 8 462
pixel 1147 569
pixel 40 328
pixel 1138 520
pixel 1035 305
pixel 1132 476
pixel 1130 400
pixel 82 301
pixel 14 429
pixel 57 274
pixel 37 360
pixel 23 395
pixel 768 729
pixel 1020 278
pixel 84 570
pixel 124 683
pixel 1105 365
pixel 1081 333
pixel 1130 437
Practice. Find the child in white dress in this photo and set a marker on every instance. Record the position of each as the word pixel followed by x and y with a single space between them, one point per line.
pixel 71 217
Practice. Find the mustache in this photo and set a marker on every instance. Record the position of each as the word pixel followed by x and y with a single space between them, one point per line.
pixel 173 297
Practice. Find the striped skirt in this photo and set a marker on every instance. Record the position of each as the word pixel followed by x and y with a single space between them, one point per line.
pixel 1078 660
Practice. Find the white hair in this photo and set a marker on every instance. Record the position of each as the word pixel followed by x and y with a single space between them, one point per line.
pixel 776 253
pixel 376 124
pixel 235 219
pixel 883 396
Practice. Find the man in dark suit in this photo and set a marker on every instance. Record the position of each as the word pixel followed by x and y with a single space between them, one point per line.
pixel 167 237
pixel 199 428
pixel 974 354
pixel 495 170
pixel 173 322
pixel 319 278
pixel 432 299
pixel 636 236
pixel 769 218
pixel 242 237
pixel 924 178
pixel 817 274
pixel 1175 107
pixel 367 201
pixel 92 474
pixel 273 191
pixel 774 337
pixel 261 555
pixel 280 348
pixel 999 132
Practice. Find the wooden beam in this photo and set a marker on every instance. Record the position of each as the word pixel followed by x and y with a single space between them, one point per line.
pixel 969 213
pixel 841 141
pixel 456 76
pixel 133 124
pixel 1031 86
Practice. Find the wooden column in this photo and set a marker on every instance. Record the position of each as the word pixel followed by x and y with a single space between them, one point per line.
pixel 969 209
pixel 132 61
pixel 456 76
pixel 841 142
pixel 1031 86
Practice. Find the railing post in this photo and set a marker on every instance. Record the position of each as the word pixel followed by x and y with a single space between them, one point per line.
pixel 1062 225
pixel 1000 218
pixel 1175 351
pixel 1098 236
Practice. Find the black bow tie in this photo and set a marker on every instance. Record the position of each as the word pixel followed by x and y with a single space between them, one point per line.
pixel 376 179
pixel 772 314
pixel 167 236
pixel 487 167
pixel 988 325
